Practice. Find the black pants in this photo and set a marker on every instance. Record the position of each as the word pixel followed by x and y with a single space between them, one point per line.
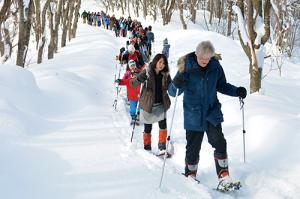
pixel 194 140
pixel 162 125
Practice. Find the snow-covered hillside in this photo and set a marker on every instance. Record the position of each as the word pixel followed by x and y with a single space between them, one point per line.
pixel 61 138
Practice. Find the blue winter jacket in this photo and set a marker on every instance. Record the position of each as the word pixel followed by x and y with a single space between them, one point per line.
pixel 150 37
pixel 200 101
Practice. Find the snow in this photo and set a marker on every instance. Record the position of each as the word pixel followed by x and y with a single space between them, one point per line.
pixel 61 138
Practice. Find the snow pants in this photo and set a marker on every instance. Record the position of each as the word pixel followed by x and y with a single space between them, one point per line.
pixel 132 108
pixel 216 140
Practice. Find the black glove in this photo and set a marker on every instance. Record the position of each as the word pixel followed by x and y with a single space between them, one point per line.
pixel 241 92
pixel 122 50
pixel 178 81
pixel 118 81
pixel 142 77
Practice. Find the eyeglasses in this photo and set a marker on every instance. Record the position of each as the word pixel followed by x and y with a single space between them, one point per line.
pixel 204 58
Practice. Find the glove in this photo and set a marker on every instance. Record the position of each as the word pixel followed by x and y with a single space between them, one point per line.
pixel 142 77
pixel 241 92
pixel 122 50
pixel 178 81
pixel 118 81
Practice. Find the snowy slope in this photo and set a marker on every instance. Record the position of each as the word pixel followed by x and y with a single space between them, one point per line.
pixel 60 137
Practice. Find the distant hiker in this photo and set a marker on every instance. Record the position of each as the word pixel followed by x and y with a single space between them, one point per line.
pixel 142 48
pixel 133 54
pixel 154 100
pixel 166 48
pixel 98 19
pixel 200 76
pixel 132 92
pixel 150 39
pixel 84 16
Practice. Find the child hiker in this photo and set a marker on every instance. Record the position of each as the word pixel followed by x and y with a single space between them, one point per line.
pixel 132 92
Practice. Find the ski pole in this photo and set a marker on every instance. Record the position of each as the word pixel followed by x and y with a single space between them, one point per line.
pixel 137 107
pixel 244 131
pixel 168 139
pixel 118 91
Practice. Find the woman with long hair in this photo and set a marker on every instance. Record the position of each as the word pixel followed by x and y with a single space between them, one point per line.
pixel 154 100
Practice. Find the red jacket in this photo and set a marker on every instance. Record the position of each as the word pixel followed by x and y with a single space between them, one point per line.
pixel 132 93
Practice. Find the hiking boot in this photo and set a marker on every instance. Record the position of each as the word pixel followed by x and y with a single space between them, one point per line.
pixel 147 141
pixel 162 139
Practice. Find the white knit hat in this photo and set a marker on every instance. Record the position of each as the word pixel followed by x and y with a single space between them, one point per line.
pixel 131 63
pixel 131 48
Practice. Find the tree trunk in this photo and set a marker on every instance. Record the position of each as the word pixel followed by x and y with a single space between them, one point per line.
pixel 170 10
pixel 43 34
pixel 211 10
pixel 37 28
pixel 137 4
pixel 229 18
pixel 218 7
pixel 24 31
pixel 255 78
pixel 145 8
pixel 180 7
pixel 53 44
pixel 58 21
pixel 71 18
pixel 77 8
pixel 254 49
pixel 6 37
pixel 193 10
pixel 65 24
pixel 122 6
pixel 7 45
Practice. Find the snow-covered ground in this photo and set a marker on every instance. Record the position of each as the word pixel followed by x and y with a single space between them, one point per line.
pixel 61 138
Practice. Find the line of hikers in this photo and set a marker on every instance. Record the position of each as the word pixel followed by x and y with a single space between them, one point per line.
pixel 200 76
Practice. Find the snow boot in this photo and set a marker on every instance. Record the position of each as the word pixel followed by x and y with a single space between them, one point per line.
pixel 162 139
pixel 147 141
pixel 190 171
pixel 221 162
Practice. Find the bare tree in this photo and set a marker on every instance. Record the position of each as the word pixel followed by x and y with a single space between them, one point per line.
pixel 71 17
pixel 55 12
pixel 145 8
pixel 5 45
pixel 229 17
pixel 193 9
pixel 153 7
pixel 181 14
pixel 65 21
pixel 76 17
pixel 43 32
pixel 253 39
pixel 36 22
pixel 25 14
pixel 167 8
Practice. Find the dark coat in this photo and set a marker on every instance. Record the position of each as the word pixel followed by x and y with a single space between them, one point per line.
pixel 200 101
pixel 147 95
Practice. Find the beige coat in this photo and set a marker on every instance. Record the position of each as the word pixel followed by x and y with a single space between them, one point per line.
pixel 148 90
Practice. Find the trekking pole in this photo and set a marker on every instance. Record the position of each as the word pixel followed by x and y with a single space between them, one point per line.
pixel 118 91
pixel 244 131
pixel 168 139
pixel 137 107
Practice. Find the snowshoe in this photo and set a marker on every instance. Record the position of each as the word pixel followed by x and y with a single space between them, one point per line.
pixel 227 185
pixel 192 176
pixel 161 154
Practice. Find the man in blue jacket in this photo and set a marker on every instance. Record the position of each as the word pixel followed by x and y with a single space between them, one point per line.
pixel 200 76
